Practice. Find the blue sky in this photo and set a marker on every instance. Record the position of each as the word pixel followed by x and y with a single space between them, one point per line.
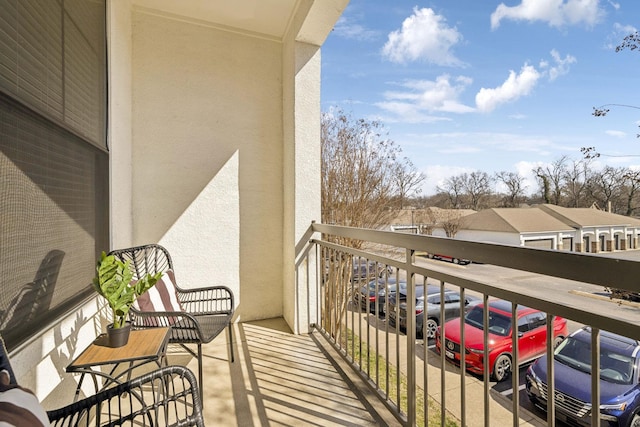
pixel 466 85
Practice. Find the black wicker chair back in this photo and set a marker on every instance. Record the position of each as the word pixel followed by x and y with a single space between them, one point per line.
pixel 206 311
pixel 165 397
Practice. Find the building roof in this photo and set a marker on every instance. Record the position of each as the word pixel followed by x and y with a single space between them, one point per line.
pixel 588 217
pixel 431 215
pixel 514 220
pixel 543 218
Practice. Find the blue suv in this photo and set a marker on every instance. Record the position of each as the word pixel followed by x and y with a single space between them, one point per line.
pixel 619 388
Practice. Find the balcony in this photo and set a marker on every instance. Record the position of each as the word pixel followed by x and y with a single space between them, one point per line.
pixel 353 368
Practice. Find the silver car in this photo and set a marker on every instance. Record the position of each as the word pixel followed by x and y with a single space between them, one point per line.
pixel 432 321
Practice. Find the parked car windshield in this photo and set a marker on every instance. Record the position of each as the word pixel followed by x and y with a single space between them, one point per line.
pixel 614 367
pixel 498 323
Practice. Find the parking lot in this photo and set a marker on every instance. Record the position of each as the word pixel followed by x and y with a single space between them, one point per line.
pixel 564 290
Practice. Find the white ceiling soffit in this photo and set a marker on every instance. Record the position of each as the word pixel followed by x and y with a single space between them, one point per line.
pixel 261 18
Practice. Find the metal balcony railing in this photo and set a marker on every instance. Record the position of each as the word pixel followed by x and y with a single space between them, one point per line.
pixel 408 376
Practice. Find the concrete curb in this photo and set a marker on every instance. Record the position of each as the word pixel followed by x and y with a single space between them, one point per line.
pixel 606 298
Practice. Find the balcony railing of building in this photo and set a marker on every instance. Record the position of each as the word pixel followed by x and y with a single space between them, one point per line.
pixel 401 370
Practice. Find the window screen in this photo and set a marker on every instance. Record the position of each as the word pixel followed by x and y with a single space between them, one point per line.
pixel 53 159
pixel 53 60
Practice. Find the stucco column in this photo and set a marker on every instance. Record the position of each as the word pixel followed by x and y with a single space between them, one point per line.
pixel 120 122
pixel 302 163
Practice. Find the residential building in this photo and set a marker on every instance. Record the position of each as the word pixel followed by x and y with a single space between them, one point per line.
pixel 551 227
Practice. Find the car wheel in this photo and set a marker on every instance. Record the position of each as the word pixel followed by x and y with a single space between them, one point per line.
pixel 430 256
pixel 431 328
pixel 635 421
pixel 456 261
pixel 502 367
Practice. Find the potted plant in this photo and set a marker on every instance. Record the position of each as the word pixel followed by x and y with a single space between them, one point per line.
pixel 114 283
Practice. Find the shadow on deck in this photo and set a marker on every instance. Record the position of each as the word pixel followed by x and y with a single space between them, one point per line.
pixel 279 378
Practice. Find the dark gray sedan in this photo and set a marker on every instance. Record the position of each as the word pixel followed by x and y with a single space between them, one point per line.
pixel 376 290
pixel 430 323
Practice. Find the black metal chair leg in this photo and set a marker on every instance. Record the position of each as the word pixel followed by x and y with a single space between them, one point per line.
pixel 231 341
pixel 200 372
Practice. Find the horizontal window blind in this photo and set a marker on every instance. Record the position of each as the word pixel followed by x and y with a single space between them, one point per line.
pixel 53 159
pixel 54 61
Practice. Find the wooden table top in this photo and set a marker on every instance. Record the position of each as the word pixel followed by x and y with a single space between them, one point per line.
pixel 143 344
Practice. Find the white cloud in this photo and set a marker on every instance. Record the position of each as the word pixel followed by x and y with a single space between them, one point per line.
pixel 561 66
pixel 438 174
pixel 424 36
pixel 518 116
pixel 525 170
pixel 486 142
pixel 510 147
pixel 516 86
pixel 556 13
pixel 417 99
pixel 616 133
pixel 403 112
pixel 350 30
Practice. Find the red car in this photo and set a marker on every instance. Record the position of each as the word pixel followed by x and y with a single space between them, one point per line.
pixel 449 258
pixel 532 341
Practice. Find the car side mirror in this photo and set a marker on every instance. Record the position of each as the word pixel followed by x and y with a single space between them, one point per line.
pixel 520 334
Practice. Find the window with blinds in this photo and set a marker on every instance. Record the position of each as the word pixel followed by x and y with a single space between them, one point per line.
pixel 53 159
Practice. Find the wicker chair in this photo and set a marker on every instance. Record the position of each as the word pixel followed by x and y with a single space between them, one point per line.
pixel 207 311
pixel 165 397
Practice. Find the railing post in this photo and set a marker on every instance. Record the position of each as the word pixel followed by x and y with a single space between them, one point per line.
pixel 485 360
pixel 551 375
pixel 443 370
pixel 595 377
pixel 411 338
pixel 515 371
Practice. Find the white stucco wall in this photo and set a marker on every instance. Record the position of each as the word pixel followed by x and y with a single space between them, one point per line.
pixel 208 156
pixel 120 107
pixel 40 363
pixel 489 237
pixel 302 177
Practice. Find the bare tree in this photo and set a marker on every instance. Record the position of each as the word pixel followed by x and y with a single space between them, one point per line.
pixel 630 190
pixel 451 223
pixel 360 173
pixel 545 188
pixel 576 177
pixel 515 187
pixel 604 187
pixel 551 180
pixel 477 186
pixel 407 180
pixel 631 42
pixel 453 188
pixel 467 189
pixel 361 179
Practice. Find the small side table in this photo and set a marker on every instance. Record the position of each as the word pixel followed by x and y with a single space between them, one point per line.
pixel 144 346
